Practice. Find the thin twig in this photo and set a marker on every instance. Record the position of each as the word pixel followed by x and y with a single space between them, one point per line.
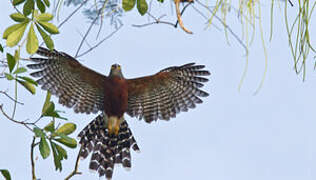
pixel 32 159
pixel 88 31
pixel 79 7
pixel 156 21
pixel 225 25
pixel 291 3
pixel 15 121
pixel 6 94
pixel 93 47
pixel 75 171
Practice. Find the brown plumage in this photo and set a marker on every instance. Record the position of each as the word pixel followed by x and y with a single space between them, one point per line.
pixel 160 96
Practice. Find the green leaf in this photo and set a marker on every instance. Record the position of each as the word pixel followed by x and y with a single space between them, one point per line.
pixel 15 36
pixel 20 70
pixel 61 151
pixel 128 4
pixel 67 141
pixel 11 29
pixel 11 62
pixel 38 132
pixel 27 79
pixel 57 157
pixel 44 148
pixel 50 127
pixel 47 39
pixel 40 6
pixel 18 17
pixel 17 55
pixel 49 109
pixel 28 7
pixel 161 1
pixel 47 3
pixel 67 128
pixel 29 86
pixel 17 2
pixel 32 41
pixel 44 17
pixel 142 6
pixel 6 174
pixel 49 27
pixel 8 76
pixel 46 102
pixel 1 48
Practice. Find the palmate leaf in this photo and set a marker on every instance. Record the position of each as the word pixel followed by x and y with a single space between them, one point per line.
pixel 66 140
pixel 17 2
pixel 44 17
pixel 50 127
pixel 27 79
pixel 41 6
pixel 57 157
pixel 20 70
pixel 28 7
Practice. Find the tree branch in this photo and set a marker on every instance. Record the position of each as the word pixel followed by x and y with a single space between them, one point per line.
pixel 6 94
pixel 75 171
pixel 27 125
pixel 32 159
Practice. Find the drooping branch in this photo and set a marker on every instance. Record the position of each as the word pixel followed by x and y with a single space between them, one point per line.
pixel 177 3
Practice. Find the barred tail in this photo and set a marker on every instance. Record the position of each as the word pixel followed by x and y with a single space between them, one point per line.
pixel 107 149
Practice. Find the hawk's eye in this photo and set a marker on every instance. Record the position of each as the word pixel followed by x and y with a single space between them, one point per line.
pixel 119 67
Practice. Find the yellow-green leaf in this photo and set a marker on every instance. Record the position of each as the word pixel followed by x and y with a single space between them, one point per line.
pixel 18 17
pixel 38 132
pixel 142 6
pixel 47 39
pixel 29 86
pixel 27 79
pixel 11 29
pixel 32 41
pixel 40 6
pixel 5 173
pixel 8 76
pixel 44 148
pixel 17 55
pixel 50 126
pixel 61 151
pixel 57 156
pixel 67 141
pixel 17 2
pixel 128 4
pixel 67 128
pixel 47 3
pixel 46 102
pixel 28 7
pixel 44 17
pixel 11 62
pixel 15 36
pixel 49 27
pixel 20 70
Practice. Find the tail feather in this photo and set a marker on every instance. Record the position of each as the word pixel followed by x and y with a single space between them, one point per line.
pixel 107 149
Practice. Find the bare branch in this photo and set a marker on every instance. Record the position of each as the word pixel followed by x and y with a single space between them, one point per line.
pixel 32 159
pixel 6 94
pixel 27 125
pixel 177 3
pixel 75 171
pixel 71 14
pixel 104 39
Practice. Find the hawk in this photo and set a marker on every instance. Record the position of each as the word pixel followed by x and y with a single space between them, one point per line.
pixel 108 137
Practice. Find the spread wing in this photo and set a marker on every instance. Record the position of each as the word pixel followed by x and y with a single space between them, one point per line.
pixel 163 95
pixel 74 84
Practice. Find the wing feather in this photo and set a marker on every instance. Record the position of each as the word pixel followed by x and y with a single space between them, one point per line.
pixel 170 91
pixel 76 85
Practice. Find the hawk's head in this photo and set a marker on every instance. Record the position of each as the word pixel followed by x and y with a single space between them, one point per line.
pixel 116 71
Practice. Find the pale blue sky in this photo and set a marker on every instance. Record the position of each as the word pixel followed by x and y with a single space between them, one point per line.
pixel 231 136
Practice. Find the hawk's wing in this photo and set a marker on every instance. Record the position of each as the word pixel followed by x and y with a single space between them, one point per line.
pixel 166 93
pixel 74 84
